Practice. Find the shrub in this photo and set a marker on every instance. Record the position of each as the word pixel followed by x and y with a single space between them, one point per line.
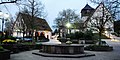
pixel 76 35
pixel 79 35
pixel 99 48
pixel 88 35
pixel 10 37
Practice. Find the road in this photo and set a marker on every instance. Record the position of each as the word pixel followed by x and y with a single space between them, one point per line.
pixel 112 55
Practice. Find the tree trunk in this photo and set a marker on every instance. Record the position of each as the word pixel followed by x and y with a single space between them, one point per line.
pixel 100 34
pixel 59 32
pixel 23 34
pixel 33 40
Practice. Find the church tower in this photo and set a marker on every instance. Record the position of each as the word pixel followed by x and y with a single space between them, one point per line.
pixel 87 11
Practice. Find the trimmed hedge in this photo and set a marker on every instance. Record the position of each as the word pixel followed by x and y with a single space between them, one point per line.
pixel 99 48
pixel 15 48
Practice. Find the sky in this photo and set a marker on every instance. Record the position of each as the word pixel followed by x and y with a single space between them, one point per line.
pixel 52 7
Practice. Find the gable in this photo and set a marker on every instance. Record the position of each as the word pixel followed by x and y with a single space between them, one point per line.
pixel 24 20
pixel 18 24
pixel 101 13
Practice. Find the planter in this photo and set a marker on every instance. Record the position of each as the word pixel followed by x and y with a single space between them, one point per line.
pixel 5 54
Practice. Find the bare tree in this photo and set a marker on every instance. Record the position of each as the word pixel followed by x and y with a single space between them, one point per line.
pixel 9 27
pixel 34 9
pixel 64 17
pixel 100 20
pixel 112 5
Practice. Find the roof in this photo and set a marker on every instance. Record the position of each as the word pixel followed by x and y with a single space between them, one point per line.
pixel 88 7
pixel 94 12
pixel 39 23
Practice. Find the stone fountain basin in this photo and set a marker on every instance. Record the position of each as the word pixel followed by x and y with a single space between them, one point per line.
pixel 63 48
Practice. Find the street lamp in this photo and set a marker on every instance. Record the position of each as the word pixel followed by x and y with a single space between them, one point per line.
pixel 3 17
pixel 68 25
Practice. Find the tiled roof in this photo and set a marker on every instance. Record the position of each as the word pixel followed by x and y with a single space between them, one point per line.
pixel 88 7
pixel 39 23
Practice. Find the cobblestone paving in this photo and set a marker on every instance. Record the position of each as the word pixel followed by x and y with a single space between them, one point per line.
pixel 113 55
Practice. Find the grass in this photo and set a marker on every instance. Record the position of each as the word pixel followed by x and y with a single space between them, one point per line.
pixel 102 36
pixel 27 43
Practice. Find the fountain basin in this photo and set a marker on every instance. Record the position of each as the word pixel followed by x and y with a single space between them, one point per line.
pixel 63 48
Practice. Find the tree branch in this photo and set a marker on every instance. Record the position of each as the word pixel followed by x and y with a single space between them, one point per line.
pixel 9 2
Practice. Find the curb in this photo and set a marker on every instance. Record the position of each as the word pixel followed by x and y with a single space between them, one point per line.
pixel 63 55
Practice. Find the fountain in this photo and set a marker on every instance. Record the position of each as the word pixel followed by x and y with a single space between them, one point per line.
pixel 54 48
pixel 53 41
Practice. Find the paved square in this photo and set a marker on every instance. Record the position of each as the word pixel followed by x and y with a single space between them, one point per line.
pixel 113 55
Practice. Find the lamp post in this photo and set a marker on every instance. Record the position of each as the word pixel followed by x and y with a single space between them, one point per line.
pixel 2 24
pixel 4 17
pixel 68 25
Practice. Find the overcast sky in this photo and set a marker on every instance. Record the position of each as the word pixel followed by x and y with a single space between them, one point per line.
pixel 52 7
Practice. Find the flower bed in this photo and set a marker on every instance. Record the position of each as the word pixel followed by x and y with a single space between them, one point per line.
pixel 9 41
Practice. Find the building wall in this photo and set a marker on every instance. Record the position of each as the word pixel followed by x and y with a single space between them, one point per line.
pixel 48 34
pixel 17 34
pixel 97 17
pixel 20 26
pixel 20 34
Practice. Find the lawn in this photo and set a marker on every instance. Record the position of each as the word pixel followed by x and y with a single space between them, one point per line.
pixel 102 37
